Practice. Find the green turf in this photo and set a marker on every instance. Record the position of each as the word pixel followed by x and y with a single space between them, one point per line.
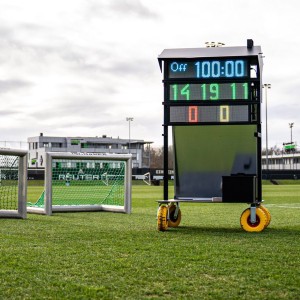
pixel 80 193
pixel 117 256
pixel 85 194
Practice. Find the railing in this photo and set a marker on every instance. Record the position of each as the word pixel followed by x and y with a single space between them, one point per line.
pixel 14 145
pixel 292 166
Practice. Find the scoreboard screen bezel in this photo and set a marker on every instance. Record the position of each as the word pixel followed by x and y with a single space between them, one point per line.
pixel 191 90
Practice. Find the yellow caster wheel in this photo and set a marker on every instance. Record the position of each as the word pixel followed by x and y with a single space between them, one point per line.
pixel 267 212
pixel 162 218
pixel 259 225
pixel 174 221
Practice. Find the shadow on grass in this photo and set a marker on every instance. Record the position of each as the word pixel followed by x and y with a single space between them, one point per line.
pixel 217 231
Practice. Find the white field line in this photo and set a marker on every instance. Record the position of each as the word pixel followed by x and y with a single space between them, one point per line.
pixel 290 205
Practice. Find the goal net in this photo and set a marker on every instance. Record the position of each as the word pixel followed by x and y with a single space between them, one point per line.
pixel 13 183
pixel 81 182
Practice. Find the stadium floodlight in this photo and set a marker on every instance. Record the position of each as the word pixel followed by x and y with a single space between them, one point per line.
pixel 291 126
pixel 85 182
pixel 129 119
pixel 13 183
pixel 267 86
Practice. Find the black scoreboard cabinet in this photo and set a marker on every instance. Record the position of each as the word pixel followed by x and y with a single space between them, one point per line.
pixel 212 103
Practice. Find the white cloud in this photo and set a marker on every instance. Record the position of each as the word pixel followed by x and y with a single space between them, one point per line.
pixel 78 67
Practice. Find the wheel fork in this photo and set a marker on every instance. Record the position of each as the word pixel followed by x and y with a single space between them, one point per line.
pixel 253 214
pixel 168 215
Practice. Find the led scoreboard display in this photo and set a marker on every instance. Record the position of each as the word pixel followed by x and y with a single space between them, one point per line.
pixel 213 90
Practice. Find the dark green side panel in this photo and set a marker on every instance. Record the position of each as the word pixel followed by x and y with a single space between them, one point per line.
pixel 203 154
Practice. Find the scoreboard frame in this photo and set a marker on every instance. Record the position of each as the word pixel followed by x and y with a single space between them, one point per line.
pixel 188 89
pixel 212 72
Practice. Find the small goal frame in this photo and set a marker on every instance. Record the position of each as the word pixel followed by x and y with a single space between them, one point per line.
pixel 21 211
pixel 49 208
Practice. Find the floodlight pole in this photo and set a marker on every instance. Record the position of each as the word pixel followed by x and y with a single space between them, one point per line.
pixel 291 126
pixel 267 86
pixel 129 119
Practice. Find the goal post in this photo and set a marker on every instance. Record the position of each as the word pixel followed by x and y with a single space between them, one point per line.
pixel 85 182
pixel 13 183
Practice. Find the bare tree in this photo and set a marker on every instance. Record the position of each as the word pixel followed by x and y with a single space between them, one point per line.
pixel 157 158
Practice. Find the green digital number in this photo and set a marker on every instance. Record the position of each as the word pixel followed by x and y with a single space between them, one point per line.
pixel 214 91
pixel 175 92
pixel 233 91
pixel 203 91
pixel 185 91
pixel 245 86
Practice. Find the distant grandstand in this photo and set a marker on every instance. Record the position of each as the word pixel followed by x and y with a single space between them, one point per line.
pixel 282 165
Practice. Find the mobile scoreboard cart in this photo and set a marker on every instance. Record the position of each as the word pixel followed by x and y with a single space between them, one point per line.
pixel 212 101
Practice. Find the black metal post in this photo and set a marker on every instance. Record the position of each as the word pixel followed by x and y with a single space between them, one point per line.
pixel 166 159
pixel 166 135
pixel 259 167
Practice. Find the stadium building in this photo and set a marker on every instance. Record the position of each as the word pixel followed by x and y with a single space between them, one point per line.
pixel 40 145
pixel 281 165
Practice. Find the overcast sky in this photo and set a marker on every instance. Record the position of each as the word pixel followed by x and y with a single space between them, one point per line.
pixel 80 67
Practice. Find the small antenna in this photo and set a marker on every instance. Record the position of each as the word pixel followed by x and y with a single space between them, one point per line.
pixel 250 43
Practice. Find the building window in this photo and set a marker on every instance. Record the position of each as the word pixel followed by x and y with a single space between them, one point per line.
pixel 56 145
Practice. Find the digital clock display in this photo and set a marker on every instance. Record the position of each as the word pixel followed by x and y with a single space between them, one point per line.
pixel 209 114
pixel 209 69
pixel 209 91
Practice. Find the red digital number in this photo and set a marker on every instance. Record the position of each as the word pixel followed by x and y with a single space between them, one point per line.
pixel 193 114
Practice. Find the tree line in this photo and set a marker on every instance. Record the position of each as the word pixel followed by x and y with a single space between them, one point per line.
pixel 157 157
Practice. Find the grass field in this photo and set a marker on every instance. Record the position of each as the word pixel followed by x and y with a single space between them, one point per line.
pixel 116 256
pixel 75 193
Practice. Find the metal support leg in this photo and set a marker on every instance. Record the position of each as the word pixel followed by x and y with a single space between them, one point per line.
pixel 253 214
pixel 176 210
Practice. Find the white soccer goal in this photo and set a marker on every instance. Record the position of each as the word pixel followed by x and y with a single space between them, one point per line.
pixel 13 183
pixel 85 182
pixel 147 178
